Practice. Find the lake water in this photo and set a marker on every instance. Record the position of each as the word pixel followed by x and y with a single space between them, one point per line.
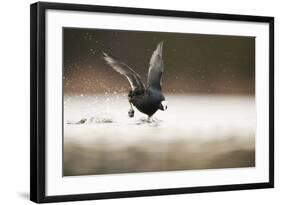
pixel 195 132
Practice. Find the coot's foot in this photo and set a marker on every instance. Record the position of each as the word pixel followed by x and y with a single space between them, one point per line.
pixel 131 113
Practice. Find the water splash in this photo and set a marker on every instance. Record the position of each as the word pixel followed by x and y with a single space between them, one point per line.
pixel 154 122
pixel 93 119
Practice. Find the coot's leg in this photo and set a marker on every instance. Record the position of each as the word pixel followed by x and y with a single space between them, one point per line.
pixel 131 110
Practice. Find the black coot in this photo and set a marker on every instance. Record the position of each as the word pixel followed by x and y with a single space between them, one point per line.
pixel 147 99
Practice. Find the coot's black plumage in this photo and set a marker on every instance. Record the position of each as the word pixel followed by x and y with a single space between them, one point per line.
pixel 147 99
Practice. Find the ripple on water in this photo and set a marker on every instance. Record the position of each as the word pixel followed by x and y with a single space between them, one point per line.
pixel 107 119
pixel 93 120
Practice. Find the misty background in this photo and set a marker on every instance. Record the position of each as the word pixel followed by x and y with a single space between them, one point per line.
pixel 193 63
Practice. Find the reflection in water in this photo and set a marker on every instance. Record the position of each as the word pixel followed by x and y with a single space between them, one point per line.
pixel 196 132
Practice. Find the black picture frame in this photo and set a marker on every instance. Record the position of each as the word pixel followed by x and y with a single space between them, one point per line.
pixel 38 101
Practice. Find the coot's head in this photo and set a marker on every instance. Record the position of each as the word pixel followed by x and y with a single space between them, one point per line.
pixel 163 105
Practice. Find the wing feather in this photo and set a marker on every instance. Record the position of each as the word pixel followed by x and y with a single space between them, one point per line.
pixel 133 77
pixel 156 68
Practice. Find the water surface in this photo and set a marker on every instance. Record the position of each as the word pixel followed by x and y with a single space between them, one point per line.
pixel 196 132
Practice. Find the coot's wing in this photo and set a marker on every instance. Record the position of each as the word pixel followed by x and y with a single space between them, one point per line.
pixel 123 69
pixel 156 68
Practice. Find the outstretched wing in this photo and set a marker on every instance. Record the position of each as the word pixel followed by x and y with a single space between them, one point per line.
pixel 123 69
pixel 156 68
